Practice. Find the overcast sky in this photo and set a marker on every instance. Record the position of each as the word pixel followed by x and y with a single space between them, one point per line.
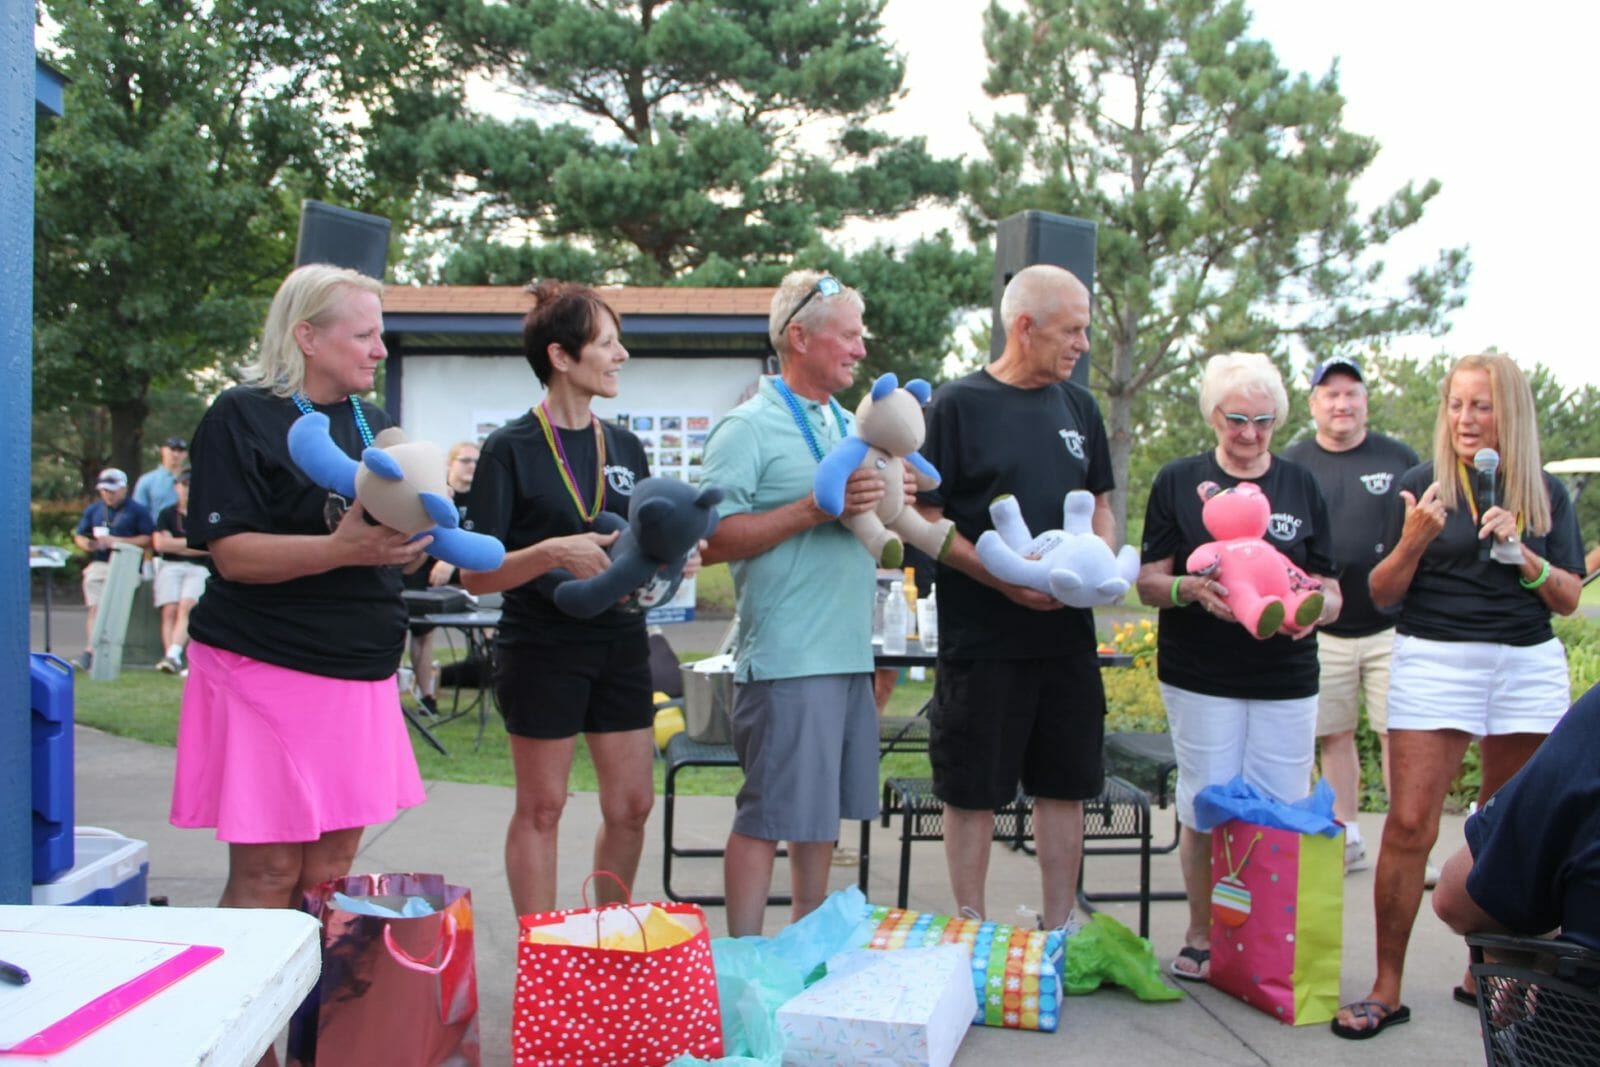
pixel 1494 101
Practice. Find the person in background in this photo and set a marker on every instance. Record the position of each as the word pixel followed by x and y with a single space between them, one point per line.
pixel 113 518
pixel 291 739
pixel 1359 473
pixel 541 482
pixel 460 464
pixel 180 577
pixel 1236 705
pixel 156 489
pixel 804 723
pixel 1475 654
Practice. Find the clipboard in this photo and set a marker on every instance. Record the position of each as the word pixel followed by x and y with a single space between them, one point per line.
pixel 82 982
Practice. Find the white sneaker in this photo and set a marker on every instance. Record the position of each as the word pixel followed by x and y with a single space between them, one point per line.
pixel 1430 876
pixel 1355 857
pixel 170 665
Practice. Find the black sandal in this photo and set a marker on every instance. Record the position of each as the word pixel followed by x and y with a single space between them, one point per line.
pixel 1200 957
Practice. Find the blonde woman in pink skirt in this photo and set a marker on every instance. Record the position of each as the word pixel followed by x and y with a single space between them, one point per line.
pixel 291 740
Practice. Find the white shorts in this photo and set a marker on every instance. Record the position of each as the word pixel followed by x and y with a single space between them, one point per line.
pixel 1353 668
pixel 176 580
pixel 1269 742
pixel 1478 687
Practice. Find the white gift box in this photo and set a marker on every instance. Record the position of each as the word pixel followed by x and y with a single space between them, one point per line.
pixel 883 1009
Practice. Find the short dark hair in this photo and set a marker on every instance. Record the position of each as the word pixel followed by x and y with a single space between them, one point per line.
pixel 565 314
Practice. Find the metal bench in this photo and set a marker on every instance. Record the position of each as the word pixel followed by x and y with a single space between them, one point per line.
pixel 1120 813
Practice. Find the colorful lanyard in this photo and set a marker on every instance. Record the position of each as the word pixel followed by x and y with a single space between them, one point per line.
pixel 586 512
pixel 1472 501
pixel 304 404
pixel 804 423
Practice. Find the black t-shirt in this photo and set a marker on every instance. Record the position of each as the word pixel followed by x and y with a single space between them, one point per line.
pixel 988 438
pixel 1536 843
pixel 1455 596
pixel 1200 652
pixel 344 623
pixel 1360 487
pixel 171 521
pixel 518 496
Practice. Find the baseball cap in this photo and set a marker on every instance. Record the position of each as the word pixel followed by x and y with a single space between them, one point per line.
pixel 111 478
pixel 1337 364
pixel 177 442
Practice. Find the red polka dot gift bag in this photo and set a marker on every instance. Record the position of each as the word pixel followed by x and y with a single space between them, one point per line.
pixel 619 985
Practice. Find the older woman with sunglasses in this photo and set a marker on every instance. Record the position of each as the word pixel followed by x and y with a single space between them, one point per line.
pixel 1235 705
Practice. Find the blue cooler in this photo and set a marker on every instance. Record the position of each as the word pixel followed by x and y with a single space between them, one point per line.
pixel 111 870
pixel 51 700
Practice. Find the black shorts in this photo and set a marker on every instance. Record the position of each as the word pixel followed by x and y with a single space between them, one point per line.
pixel 996 722
pixel 556 691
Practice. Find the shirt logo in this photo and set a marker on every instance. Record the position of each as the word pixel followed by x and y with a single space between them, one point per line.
pixel 1378 484
pixel 1074 442
pixel 620 479
pixel 1283 527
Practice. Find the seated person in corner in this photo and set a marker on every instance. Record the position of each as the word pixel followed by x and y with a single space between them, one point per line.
pixel 1531 864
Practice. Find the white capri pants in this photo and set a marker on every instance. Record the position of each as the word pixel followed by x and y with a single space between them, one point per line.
pixel 1270 742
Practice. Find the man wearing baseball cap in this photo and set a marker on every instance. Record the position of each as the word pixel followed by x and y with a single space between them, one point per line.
pixel 155 489
pixel 112 518
pixel 1359 474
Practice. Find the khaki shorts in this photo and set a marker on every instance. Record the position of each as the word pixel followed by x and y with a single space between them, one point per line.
pixel 94 582
pixel 1351 667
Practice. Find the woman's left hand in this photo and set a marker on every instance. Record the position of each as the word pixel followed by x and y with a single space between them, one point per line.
pixel 1499 523
pixel 691 562
pixel 1213 596
pixel 441 573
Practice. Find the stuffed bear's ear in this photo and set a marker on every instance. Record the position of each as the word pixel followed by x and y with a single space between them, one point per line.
pixel 886 384
pixel 1207 490
pixel 709 497
pixel 920 389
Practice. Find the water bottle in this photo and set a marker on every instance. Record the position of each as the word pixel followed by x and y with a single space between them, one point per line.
pixel 880 595
pixel 928 621
pixel 894 620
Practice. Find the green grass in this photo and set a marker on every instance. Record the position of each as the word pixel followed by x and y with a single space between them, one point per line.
pixel 1591 595
pixel 143 705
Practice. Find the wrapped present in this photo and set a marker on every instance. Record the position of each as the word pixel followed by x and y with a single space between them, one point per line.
pixel 910 1009
pixel 1017 972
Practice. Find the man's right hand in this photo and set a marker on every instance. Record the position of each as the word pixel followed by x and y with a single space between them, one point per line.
pixel 1031 599
pixel 862 491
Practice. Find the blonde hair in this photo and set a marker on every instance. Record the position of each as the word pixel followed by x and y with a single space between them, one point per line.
pixel 312 293
pixel 1516 426
pixel 798 286
pixel 455 450
pixel 1250 373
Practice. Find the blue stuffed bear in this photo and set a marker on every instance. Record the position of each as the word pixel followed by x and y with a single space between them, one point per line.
pixel 400 483
pixel 666 520
pixel 889 430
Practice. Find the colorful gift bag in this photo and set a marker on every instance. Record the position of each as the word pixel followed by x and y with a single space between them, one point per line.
pixel 621 985
pixel 1277 907
pixel 399 982
pixel 1017 973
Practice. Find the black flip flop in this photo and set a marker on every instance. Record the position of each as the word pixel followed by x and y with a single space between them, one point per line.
pixel 1463 995
pixel 1200 957
pixel 1369 1010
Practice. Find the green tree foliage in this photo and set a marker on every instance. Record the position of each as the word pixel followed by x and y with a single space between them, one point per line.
pixel 169 191
pixel 1222 189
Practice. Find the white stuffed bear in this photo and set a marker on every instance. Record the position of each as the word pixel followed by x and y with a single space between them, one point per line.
pixel 1071 564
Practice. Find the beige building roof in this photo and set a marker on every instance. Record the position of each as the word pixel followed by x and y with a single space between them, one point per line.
pixel 630 300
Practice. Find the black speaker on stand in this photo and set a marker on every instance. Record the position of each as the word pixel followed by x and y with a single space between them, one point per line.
pixel 1030 237
pixel 342 237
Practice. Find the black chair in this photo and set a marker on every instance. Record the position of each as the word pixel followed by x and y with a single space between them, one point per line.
pixel 1538 1001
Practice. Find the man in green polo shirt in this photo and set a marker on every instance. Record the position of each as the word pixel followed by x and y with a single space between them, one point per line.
pixel 804 721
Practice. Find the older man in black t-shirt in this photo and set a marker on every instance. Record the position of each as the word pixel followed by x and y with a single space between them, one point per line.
pixel 1359 474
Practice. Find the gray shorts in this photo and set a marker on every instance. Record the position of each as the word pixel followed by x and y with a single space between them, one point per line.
pixel 809 749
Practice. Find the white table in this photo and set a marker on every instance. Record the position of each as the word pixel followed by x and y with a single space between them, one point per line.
pixel 222 1015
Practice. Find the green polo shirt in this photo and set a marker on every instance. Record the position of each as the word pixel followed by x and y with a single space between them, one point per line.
pixel 805 605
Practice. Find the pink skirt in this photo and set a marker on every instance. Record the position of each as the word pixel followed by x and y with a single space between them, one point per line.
pixel 267 754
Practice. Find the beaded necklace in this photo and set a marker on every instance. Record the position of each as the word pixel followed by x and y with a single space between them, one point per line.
pixel 304 404
pixel 586 512
pixel 804 423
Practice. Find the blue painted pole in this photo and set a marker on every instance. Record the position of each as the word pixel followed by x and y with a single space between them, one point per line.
pixel 17 102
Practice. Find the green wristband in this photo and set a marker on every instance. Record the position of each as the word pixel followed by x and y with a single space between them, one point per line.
pixel 1174 594
pixel 1544 576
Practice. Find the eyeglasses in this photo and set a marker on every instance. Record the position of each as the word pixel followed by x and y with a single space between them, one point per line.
pixel 1237 422
pixel 827 285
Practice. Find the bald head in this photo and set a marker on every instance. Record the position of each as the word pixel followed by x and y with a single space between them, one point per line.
pixel 1038 292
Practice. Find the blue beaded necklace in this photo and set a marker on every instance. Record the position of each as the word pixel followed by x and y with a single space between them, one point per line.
pixel 804 423
pixel 304 404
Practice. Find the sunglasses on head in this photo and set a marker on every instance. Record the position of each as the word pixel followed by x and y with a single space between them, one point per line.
pixel 827 285
pixel 1238 422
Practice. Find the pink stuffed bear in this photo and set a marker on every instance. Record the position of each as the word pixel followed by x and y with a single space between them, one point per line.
pixel 1265 590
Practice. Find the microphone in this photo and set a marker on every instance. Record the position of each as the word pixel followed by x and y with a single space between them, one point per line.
pixel 1487 462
